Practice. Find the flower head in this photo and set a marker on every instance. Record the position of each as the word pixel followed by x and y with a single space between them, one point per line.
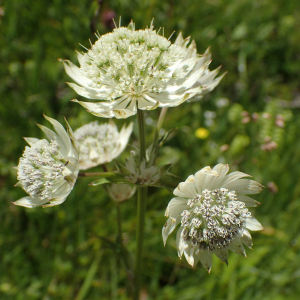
pixel 48 170
pixel 99 144
pixel 129 69
pixel 212 210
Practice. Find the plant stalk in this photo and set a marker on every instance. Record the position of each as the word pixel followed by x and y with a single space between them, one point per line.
pixel 141 209
pixel 124 254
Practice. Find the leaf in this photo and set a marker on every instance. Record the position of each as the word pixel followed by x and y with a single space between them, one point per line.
pixel 99 182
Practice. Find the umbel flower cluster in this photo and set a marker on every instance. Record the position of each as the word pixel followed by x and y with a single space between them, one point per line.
pixel 211 208
pixel 99 144
pixel 48 170
pixel 129 69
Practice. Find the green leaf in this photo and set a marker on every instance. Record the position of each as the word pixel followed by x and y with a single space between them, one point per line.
pixel 99 182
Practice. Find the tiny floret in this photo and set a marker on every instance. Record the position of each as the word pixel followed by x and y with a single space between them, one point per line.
pixel 48 169
pixel 211 208
pixel 129 69
pixel 99 144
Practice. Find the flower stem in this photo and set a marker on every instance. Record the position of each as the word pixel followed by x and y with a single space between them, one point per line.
pixel 124 254
pixel 161 118
pixel 142 134
pixel 141 209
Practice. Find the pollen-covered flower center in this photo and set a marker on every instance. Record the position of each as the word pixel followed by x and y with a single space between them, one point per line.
pixel 214 218
pixel 133 62
pixel 96 141
pixel 41 171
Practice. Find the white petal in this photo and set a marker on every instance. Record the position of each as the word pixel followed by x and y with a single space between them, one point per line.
pixel 186 190
pixel 91 93
pixel 166 99
pixel 205 257
pixel 222 254
pixel 97 107
pixel 180 244
pixel 189 255
pixel 50 134
pixel 55 202
pixel 128 111
pixel 252 224
pixel 31 141
pixel 246 238
pixel 146 103
pixel 62 190
pixel 208 77
pixel 80 58
pixel 63 138
pixel 221 169
pixel 30 202
pixel 248 201
pixel 176 206
pixel 237 247
pixel 169 227
pixel 75 73
pixel 205 179
pixel 244 186
pixel 231 178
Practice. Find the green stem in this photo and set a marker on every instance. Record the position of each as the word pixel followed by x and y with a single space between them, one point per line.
pixel 142 134
pixel 141 209
pixel 119 225
pixel 124 253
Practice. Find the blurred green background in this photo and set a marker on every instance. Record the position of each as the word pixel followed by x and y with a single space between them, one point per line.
pixel 252 122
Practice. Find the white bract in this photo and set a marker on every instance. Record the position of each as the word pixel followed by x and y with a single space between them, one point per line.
pixel 48 170
pixel 207 80
pixel 99 144
pixel 212 210
pixel 129 69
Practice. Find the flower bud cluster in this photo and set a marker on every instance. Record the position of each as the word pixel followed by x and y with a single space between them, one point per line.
pixel 213 218
pixel 41 169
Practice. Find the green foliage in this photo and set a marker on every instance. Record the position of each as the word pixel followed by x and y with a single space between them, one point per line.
pixel 68 252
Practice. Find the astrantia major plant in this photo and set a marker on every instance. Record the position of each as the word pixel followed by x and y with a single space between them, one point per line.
pixel 125 73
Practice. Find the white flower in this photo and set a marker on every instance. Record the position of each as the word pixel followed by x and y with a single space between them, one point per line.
pixel 48 170
pixel 120 192
pixel 211 207
pixel 128 69
pixel 99 144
